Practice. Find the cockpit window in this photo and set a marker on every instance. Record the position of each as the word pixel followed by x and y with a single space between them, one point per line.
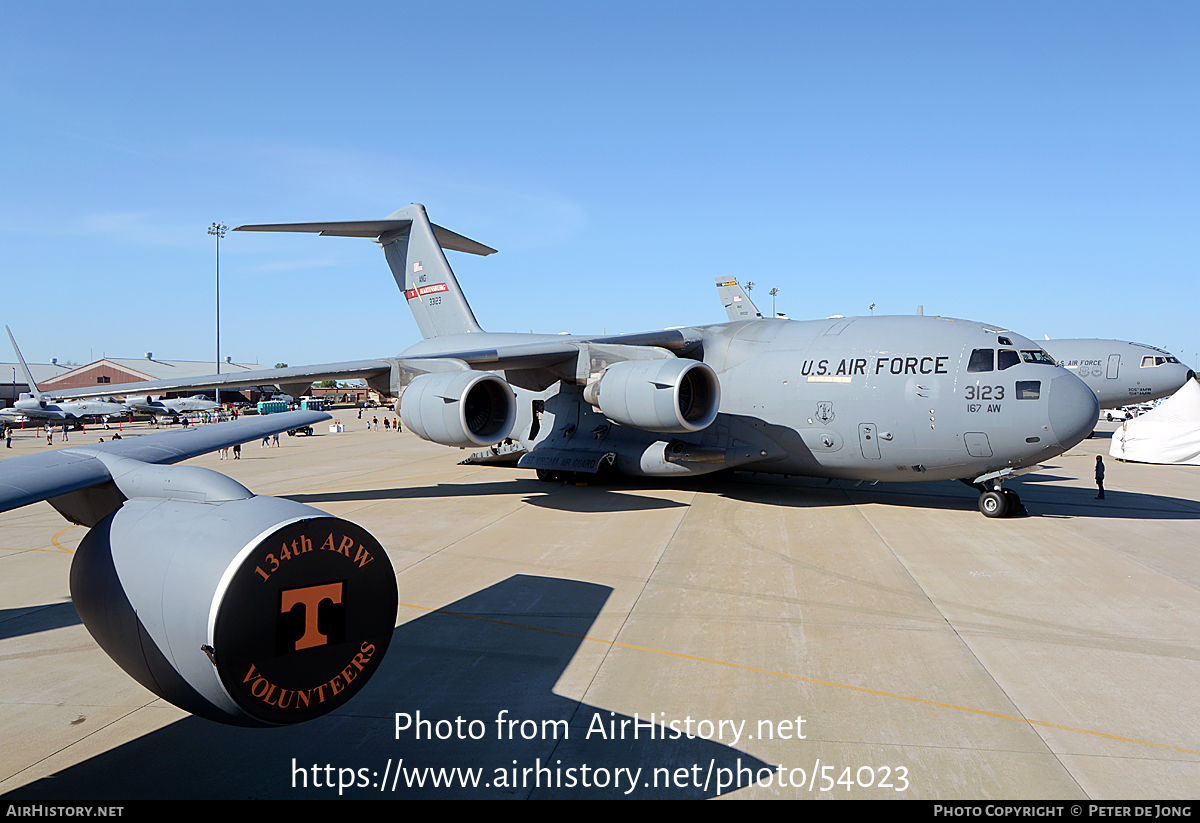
pixel 981 360
pixel 1003 341
pixel 1029 389
pixel 1006 359
pixel 1037 356
pixel 1152 360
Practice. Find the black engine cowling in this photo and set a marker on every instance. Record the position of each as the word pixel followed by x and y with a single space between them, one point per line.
pixel 252 612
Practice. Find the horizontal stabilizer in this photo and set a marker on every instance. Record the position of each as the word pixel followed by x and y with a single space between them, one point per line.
pixel 374 229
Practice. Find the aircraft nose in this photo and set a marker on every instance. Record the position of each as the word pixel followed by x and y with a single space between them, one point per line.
pixel 1074 410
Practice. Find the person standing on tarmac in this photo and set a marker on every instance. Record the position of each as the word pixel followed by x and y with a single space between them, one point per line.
pixel 1100 476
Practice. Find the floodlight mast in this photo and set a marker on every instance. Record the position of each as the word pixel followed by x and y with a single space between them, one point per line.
pixel 218 230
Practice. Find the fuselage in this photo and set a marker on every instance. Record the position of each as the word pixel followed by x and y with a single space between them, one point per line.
pixel 896 398
pixel 1120 372
pixel 868 398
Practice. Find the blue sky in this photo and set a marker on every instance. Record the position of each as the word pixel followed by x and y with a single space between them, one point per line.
pixel 1032 165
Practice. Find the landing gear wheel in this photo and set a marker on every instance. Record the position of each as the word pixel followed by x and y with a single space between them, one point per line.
pixel 1015 506
pixel 993 504
pixel 547 476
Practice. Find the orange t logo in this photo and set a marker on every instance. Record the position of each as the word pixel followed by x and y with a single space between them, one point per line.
pixel 310 598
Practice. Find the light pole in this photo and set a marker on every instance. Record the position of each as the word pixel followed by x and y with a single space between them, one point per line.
pixel 218 230
pixel 872 309
pixel 773 292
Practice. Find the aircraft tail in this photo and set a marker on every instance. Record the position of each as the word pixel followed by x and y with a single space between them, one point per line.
pixel 737 303
pixel 414 250
pixel 33 388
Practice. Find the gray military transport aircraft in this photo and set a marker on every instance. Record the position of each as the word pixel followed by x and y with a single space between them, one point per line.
pixel 1119 372
pixel 33 405
pixel 858 398
pixel 221 601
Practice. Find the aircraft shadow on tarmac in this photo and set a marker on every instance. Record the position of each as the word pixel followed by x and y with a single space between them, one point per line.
pixel 31 620
pixel 501 649
pixel 598 498
pixel 622 494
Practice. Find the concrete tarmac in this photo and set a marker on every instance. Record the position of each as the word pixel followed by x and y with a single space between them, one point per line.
pixel 761 637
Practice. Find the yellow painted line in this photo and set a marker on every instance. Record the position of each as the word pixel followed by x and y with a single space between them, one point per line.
pixel 60 546
pixel 813 680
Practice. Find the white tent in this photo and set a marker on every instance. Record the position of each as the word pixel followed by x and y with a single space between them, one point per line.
pixel 1167 434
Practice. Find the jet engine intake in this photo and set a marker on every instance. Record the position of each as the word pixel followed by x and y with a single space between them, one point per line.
pixel 462 408
pixel 252 612
pixel 675 395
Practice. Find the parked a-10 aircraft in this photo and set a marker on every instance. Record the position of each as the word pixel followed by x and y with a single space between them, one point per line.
pixel 221 601
pixel 157 405
pixel 1117 371
pixel 866 398
pixel 33 405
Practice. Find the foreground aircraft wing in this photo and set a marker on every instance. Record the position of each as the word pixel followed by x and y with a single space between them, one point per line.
pixel 30 478
pixel 206 593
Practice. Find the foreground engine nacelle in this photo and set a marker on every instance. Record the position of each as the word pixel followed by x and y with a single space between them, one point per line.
pixel 674 395
pixel 461 408
pixel 252 612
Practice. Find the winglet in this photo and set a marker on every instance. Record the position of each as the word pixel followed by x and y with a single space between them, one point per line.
pixel 33 388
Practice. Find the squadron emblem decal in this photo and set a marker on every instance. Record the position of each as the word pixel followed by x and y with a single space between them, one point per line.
pixel 306 620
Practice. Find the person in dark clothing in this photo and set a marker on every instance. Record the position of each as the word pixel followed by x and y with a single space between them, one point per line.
pixel 1100 476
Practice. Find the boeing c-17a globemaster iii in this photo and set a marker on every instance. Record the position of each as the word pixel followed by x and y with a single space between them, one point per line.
pixel 857 398
pixel 221 601
pixel 1119 372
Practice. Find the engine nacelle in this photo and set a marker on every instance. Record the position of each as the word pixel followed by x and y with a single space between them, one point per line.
pixel 675 395
pixel 462 408
pixel 252 612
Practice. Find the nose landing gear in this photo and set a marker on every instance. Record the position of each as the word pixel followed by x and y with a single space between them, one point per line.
pixel 994 500
pixel 1000 503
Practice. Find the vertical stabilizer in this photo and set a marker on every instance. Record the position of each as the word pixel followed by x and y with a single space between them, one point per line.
pixel 737 303
pixel 419 265
pixel 33 389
